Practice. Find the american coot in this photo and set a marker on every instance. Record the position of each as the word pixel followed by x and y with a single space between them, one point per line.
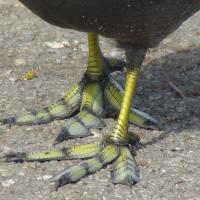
pixel 136 25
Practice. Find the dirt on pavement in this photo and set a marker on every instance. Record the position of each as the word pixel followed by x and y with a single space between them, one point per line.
pixel 169 159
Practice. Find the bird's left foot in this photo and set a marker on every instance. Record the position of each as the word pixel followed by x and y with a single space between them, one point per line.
pixel 98 155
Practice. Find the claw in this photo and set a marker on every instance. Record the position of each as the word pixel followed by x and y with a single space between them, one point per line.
pixel 8 121
pixel 76 172
pixel 72 129
pixel 125 169
pixel 78 126
pixel 15 157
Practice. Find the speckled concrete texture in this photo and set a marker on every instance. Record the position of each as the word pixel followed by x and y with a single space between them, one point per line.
pixel 168 159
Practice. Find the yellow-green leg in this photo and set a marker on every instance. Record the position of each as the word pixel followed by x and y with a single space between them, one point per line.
pixel 87 101
pixel 85 104
pixel 96 63
pixel 70 153
pixel 119 135
pixel 92 100
pixel 125 170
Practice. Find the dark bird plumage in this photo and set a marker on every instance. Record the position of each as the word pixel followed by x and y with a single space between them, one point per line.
pixel 141 22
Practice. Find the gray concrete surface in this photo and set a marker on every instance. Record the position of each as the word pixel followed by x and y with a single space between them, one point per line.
pixel 169 159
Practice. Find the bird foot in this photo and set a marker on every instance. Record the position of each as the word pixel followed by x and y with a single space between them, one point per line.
pixel 98 155
pixel 84 105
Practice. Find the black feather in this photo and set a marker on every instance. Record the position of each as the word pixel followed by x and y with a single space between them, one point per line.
pixel 137 22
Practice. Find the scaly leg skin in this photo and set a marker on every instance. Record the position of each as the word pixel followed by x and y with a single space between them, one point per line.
pixel 96 95
pixel 74 152
pixel 125 168
pixel 90 97
pixel 82 151
pixel 116 148
pixel 100 155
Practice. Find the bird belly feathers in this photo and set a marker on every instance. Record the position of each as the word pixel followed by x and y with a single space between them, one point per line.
pixel 140 22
